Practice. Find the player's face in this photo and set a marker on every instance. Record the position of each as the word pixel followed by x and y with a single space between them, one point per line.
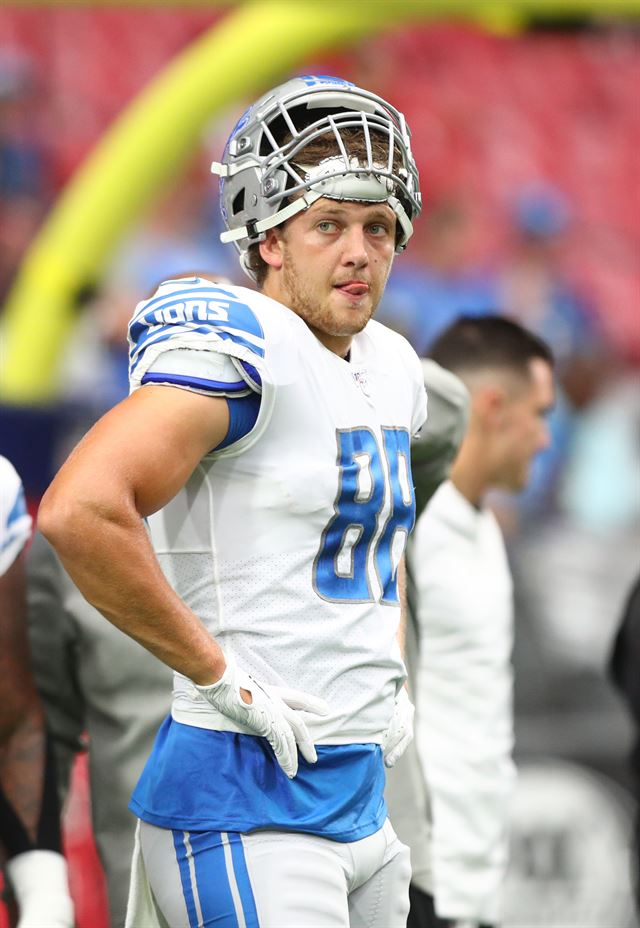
pixel 525 428
pixel 336 257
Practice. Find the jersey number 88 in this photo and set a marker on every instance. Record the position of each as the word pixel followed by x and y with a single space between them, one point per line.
pixel 374 513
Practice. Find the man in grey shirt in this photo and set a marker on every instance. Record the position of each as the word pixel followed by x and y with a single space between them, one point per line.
pixel 95 682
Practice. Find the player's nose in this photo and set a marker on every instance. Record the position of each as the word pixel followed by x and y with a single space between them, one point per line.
pixel 355 247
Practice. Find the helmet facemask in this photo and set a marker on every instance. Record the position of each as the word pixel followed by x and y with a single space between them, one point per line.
pixel 298 144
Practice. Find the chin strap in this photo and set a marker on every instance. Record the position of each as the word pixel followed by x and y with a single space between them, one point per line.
pixel 252 229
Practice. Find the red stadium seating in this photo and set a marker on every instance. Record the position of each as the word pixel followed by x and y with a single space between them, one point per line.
pixel 489 115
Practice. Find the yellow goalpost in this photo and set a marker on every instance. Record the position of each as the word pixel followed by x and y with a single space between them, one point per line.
pixel 256 44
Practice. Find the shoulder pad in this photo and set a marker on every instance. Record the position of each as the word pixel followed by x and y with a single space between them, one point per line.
pixel 196 313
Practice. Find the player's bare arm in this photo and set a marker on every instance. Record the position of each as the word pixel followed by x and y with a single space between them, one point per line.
pixel 127 467
pixel 132 463
pixel 22 739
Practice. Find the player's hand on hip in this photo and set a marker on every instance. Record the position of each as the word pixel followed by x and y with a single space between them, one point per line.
pixel 272 712
pixel 399 734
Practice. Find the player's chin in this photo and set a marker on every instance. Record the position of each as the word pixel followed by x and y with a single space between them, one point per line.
pixel 353 324
pixel 353 314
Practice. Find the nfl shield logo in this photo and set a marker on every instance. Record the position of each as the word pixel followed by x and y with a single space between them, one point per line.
pixel 360 377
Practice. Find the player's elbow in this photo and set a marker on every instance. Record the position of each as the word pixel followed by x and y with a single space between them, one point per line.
pixel 66 518
pixel 56 516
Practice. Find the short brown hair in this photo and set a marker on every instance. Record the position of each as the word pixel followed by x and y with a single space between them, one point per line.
pixel 326 146
pixel 475 343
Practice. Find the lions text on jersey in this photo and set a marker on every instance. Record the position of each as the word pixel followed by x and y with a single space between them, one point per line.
pixel 285 542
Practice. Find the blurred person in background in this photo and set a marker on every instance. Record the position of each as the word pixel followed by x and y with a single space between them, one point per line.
pixel 25 169
pixel 93 680
pixel 531 285
pixel 443 280
pixel 463 614
pixel 429 289
pixel 624 667
pixel 432 455
pixel 95 683
pixel 574 571
pixel 578 557
pixel 29 811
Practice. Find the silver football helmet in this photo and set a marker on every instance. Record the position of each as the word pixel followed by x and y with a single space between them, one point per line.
pixel 263 176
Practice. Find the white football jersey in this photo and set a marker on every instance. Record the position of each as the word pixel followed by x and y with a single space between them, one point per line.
pixel 286 544
pixel 15 521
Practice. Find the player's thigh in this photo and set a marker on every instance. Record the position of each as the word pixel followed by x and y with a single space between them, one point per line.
pixel 299 881
pixel 261 880
pixel 382 901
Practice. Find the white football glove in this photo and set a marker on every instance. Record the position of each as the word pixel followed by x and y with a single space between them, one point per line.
pixel 399 734
pixel 273 714
pixel 39 881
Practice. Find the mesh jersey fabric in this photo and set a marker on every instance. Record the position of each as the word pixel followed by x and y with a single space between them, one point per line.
pixel 286 543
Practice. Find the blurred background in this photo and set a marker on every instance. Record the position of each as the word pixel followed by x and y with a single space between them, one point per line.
pixel 526 129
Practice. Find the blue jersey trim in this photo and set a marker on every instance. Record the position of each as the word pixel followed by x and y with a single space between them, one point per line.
pixel 207 291
pixel 210 308
pixel 202 780
pixel 169 332
pixel 253 375
pixel 243 415
pixel 238 340
pixel 200 383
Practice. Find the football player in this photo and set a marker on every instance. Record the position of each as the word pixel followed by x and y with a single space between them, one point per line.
pixel 29 814
pixel 243 514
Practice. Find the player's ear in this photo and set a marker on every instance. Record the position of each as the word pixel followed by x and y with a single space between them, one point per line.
pixel 271 249
pixel 489 406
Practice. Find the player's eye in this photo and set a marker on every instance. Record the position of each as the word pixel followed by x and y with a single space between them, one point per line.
pixel 325 225
pixel 378 229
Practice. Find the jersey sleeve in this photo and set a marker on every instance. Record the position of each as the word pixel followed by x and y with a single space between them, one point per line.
pixel 15 521
pixel 205 372
pixel 197 335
